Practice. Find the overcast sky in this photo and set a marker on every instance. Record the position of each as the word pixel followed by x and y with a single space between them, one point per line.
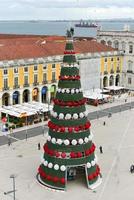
pixel 66 9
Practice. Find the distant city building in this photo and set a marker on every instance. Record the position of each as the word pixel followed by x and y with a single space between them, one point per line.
pixel 30 66
pixel 124 41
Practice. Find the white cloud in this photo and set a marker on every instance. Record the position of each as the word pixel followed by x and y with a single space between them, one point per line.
pixel 66 9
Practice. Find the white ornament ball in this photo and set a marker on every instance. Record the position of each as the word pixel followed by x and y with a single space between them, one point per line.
pixel 80 141
pixel 50 165
pixel 56 166
pixel 53 140
pixel 59 90
pixel 89 165
pixel 72 91
pixel 55 114
pixel 90 138
pixel 80 89
pixel 75 116
pixel 67 91
pixel 61 116
pixel 81 115
pixel 66 142
pixel 86 113
pixel 86 139
pixel 74 142
pixel 62 168
pixel 68 116
pixel 77 90
pixel 49 138
pixel 45 163
pixel 59 141
pixel 92 162
pixel 63 90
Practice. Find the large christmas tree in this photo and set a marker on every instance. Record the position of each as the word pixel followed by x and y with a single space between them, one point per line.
pixel 69 144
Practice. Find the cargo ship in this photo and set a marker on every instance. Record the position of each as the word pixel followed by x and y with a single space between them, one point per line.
pixel 86 24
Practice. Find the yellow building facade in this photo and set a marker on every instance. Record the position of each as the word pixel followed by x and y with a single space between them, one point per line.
pixel 37 81
pixel 24 83
pixel 111 70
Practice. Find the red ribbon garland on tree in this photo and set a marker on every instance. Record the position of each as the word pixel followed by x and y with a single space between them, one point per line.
pixel 70 103
pixel 72 154
pixel 94 174
pixel 69 77
pixel 69 52
pixel 62 129
pixel 51 178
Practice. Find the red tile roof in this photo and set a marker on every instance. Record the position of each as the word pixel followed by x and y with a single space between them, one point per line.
pixel 21 47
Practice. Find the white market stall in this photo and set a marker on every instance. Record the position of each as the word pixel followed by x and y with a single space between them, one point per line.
pixel 25 114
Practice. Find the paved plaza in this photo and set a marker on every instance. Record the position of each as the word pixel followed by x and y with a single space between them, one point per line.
pixel 22 158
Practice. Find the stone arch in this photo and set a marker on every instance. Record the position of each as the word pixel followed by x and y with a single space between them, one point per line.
pixel 5 99
pixel 117 80
pixel 105 81
pixel 116 44
pixel 44 94
pixel 26 96
pixel 35 94
pixel 103 42
pixel 109 43
pixel 52 91
pixel 111 80
pixel 16 97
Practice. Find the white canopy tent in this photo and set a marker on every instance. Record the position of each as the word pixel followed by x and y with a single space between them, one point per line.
pixel 95 94
pixel 26 109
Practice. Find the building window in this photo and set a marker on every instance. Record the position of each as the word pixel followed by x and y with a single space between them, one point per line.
pixel 123 46
pixel 118 58
pixel 44 67
pixel 25 69
pixel 35 67
pixel 15 70
pixel 105 59
pixel 131 48
pixel 25 79
pixel 44 77
pixel 116 44
pixel 129 80
pixel 53 76
pixel 53 65
pixel 16 81
pixel 130 65
pixel 35 78
pixel 5 71
pixel 5 82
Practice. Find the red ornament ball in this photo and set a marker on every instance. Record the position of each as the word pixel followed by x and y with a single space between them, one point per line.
pixel 62 180
pixel 63 155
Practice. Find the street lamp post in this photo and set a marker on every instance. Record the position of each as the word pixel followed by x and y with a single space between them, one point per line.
pixel 14 190
pixel 13 177
pixel 26 128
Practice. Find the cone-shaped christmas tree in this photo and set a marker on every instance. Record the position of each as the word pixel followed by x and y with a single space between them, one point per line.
pixel 69 143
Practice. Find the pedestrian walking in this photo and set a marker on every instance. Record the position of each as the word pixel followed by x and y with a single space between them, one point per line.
pixel 101 150
pixel 9 141
pixel 39 146
pixel 104 123
pixel 132 169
